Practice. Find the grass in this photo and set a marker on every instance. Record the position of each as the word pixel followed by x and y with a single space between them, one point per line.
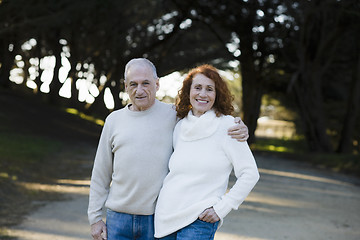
pixel 85 116
pixel 38 144
pixel 280 145
pixel 296 149
pixel 22 157
pixel 4 235
pixel 21 153
pixel 345 163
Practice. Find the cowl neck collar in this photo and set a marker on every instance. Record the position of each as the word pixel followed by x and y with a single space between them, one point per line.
pixel 195 128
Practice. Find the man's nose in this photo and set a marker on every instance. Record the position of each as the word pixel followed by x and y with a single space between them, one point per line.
pixel 139 89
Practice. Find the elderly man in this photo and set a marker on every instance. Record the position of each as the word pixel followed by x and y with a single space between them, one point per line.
pixel 132 159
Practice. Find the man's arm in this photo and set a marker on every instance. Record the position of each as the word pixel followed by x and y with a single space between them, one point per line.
pixel 100 183
pixel 239 131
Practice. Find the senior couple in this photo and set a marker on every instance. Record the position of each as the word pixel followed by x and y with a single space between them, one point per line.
pixel 162 172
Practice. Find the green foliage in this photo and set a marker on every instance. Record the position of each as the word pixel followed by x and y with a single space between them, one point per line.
pixel 296 149
pixel 21 153
pixel 347 163
pixel 276 107
pixel 278 45
pixel 234 84
pixel 297 146
pixel 85 116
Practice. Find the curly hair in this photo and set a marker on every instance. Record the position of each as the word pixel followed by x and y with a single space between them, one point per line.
pixel 223 99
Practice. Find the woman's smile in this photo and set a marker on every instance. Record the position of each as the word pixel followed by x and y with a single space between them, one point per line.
pixel 202 94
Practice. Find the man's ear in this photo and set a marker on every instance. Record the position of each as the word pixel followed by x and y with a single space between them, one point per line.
pixel 126 86
pixel 157 84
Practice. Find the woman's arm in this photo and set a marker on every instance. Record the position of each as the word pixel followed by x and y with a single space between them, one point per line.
pixel 246 172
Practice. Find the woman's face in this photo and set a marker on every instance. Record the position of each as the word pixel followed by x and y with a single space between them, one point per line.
pixel 202 94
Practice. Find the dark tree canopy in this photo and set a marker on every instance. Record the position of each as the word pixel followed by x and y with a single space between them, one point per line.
pixel 304 53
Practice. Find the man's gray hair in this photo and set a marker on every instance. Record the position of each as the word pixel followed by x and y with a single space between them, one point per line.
pixel 140 61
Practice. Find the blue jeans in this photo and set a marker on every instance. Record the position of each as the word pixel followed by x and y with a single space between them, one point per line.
pixel 198 230
pixel 122 226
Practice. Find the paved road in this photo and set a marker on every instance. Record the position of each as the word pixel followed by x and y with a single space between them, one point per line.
pixel 291 201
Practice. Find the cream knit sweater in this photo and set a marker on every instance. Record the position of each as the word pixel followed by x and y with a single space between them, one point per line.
pixel 131 160
pixel 204 156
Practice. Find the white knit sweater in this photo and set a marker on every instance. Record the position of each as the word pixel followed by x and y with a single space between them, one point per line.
pixel 204 156
pixel 131 160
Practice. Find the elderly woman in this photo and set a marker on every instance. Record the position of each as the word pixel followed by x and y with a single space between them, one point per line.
pixel 193 199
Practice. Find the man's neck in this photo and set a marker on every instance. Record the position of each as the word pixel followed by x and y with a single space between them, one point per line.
pixel 132 108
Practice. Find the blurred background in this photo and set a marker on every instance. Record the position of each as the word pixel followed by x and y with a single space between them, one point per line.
pixel 292 66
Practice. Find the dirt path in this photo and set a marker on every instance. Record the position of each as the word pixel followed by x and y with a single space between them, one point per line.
pixel 291 201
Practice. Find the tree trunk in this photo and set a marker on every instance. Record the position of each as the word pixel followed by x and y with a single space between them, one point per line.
pixel 308 95
pixel 38 81
pixel 74 99
pixel 26 67
pixel 7 63
pixel 98 105
pixel 116 88
pixel 115 91
pixel 251 98
pixel 251 83
pixel 352 112
pixel 55 84
pixel 315 50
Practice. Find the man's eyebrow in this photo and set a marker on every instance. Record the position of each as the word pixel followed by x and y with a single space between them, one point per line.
pixel 145 80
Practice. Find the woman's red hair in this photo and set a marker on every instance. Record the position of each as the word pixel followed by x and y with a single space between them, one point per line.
pixel 223 99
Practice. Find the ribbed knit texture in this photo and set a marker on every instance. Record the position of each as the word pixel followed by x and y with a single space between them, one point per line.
pixel 204 156
pixel 131 160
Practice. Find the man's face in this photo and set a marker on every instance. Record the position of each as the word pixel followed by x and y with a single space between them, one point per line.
pixel 141 85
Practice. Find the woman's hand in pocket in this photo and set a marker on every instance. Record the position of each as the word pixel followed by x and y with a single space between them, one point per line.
pixel 209 215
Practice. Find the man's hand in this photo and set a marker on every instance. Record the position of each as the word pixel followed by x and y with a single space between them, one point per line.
pixel 98 231
pixel 209 215
pixel 240 131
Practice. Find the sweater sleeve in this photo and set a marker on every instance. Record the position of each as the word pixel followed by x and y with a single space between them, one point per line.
pixel 101 175
pixel 246 172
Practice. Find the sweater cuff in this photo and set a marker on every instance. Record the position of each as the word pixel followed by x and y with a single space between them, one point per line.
pixel 94 219
pixel 222 209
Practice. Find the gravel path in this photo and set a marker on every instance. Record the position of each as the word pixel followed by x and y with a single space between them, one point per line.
pixel 291 201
